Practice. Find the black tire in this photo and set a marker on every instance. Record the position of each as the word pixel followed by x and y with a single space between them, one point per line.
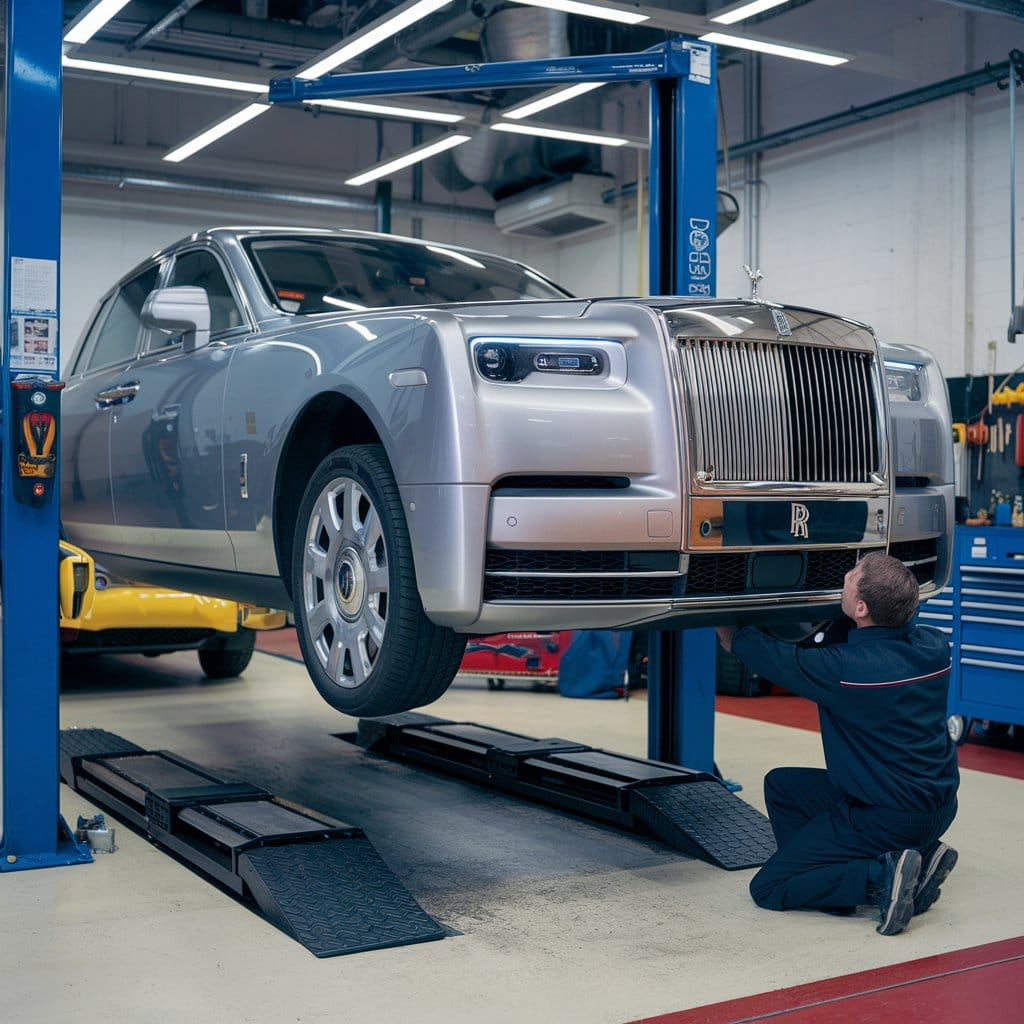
pixel 230 657
pixel 367 643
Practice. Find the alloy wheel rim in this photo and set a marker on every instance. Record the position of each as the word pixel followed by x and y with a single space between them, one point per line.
pixel 345 582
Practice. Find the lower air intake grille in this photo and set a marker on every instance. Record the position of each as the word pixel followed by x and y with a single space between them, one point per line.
pixel 585 588
pixel 730 573
pixel 502 560
pixel 717 574
pixel 581 575
pixel 919 556
pixel 826 569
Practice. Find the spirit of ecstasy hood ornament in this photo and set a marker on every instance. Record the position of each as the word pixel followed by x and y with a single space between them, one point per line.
pixel 755 276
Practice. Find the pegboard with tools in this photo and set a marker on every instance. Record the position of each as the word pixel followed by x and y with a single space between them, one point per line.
pixel 988 441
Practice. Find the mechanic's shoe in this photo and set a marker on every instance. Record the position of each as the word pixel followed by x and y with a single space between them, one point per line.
pixel 894 894
pixel 933 874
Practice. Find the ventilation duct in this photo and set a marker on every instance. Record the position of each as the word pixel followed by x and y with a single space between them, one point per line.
pixel 507 164
pixel 568 207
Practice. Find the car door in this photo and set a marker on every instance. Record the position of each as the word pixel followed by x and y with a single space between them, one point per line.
pixel 166 438
pixel 87 405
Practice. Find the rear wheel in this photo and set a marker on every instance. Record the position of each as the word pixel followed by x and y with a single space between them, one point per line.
pixel 230 657
pixel 366 641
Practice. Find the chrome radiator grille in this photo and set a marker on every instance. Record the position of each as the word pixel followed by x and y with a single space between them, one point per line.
pixel 761 411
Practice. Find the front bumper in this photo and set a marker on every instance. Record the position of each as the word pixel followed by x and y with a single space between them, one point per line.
pixel 591 562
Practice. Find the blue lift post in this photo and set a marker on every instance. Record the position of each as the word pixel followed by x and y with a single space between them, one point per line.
pixel 33 834
pixel 683 204
pixel 684 198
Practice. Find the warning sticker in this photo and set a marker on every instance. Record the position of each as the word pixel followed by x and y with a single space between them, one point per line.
pixel 700 62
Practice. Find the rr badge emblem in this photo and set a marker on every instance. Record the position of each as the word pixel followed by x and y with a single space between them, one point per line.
pixel 798 517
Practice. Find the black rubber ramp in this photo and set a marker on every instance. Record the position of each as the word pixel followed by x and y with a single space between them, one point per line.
pixel 707 821
pixel 335 897
pixel 319 880
pixel 78 743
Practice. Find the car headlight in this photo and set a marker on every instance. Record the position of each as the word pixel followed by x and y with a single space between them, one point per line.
pixel 510 360
pixel 903 381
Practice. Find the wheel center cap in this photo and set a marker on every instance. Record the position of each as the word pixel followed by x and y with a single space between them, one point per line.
pixel 350 583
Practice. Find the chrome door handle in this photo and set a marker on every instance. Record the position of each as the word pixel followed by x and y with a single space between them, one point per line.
pixel 120 394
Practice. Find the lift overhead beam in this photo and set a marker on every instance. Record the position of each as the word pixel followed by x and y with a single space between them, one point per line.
pixel 683 161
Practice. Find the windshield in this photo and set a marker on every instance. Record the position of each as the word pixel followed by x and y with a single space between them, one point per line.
pixel 319 275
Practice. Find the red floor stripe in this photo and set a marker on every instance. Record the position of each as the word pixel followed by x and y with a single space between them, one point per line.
pixel 997 757
pixel 979 985
pixel 282 642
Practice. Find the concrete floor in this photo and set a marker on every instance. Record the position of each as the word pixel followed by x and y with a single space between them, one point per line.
pixel 557 919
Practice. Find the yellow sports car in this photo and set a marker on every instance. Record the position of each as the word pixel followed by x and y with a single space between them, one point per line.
pixel 114 616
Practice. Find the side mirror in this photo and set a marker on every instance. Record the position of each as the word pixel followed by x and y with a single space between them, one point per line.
pixel 183 309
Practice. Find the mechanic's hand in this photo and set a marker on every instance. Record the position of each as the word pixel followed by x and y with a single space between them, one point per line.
pixel 725 635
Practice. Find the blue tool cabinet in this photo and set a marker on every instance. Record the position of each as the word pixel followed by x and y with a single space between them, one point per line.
pixel 982 610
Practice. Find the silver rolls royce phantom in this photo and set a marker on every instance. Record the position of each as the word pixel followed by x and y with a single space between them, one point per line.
pixel 408 443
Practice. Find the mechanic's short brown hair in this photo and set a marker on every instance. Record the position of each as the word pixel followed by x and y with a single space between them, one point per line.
pixel 889 589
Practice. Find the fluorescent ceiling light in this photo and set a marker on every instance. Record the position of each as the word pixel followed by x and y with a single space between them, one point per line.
pixel 460 256
pixel 550 99
pixel 775 49
pixel 385 110
pixel 92 19
pixel 589 10
pixel 162 75
pixel 740 12
pixel 218 131
pixel 413 156
pixel 558 133
pixel 375 33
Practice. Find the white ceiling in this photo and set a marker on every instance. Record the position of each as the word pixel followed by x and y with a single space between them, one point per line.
pixel 115 127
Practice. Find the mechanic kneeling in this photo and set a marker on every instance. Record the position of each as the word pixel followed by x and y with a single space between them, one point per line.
pixel 866 829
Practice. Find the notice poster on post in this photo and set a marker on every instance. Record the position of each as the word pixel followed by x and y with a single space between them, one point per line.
pixel 33 323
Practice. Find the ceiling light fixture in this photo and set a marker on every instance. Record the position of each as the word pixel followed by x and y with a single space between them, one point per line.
pixel 775 49
pixel 384 110
pixel 558 133
pixel 413 156
pixel 589 10
pixel 91 19
pixel 376 32
pixel 162 75
pixel 742 11
pixel 217 131
pixel 550 99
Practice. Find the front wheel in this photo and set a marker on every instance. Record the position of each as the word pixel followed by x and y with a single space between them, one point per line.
pixel 366 641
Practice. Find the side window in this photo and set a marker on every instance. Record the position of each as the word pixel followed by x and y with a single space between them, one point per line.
pixel 118 337
pixel 201 269
pixel 81 360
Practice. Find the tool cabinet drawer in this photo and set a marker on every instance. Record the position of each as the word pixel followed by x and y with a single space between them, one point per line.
pixel 992 629
pixel 999 546
pixel 984 679
pixel 938 612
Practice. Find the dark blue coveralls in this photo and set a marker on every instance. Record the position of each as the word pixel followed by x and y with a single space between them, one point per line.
pixel 891 774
